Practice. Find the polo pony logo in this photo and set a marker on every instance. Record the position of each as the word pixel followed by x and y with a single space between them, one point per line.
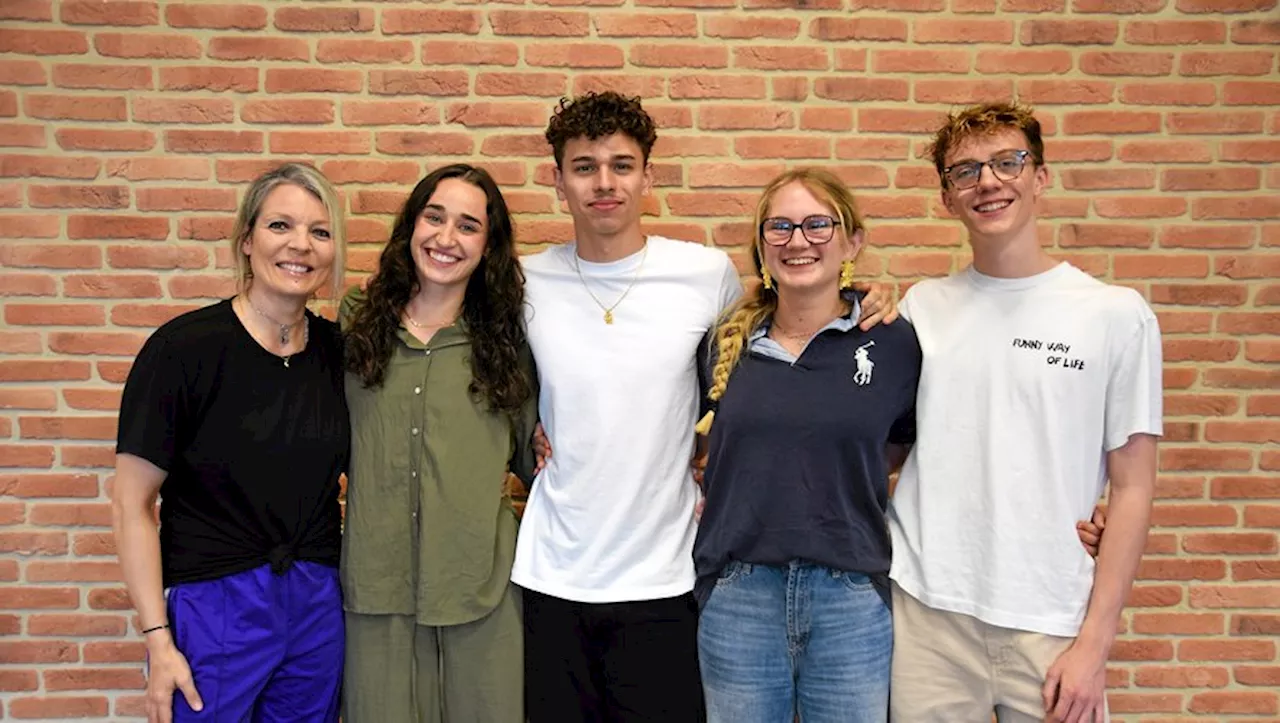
pixel 865 365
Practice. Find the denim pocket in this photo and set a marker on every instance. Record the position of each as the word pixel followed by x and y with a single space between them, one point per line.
pixel 733 572
pixel 854 580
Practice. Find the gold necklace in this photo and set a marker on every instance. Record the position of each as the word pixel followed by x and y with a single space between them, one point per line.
pixel 608 310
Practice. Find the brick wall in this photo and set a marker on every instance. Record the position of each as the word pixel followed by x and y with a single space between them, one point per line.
pixel 128 128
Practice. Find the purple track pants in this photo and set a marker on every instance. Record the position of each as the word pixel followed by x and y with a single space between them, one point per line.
pixel 262 647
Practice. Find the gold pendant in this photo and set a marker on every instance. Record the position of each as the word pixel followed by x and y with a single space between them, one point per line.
pixel 608 316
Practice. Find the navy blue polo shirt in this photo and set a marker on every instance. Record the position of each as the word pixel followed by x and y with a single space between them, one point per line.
pixel 797 468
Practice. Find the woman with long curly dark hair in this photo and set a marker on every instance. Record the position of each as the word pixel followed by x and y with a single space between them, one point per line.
pixel 440 384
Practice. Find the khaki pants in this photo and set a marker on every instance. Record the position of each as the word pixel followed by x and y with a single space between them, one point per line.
pixel 400 672
pixel 953 668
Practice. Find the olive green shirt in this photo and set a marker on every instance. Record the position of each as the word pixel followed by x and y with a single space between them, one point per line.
pixel 429 530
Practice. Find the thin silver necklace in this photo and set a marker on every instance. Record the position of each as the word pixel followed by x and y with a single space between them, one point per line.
pixel 286 330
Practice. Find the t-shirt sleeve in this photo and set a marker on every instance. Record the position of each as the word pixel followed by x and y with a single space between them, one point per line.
pixel 153 404
pixel 904 306
pixel 730 286
pixel 523 461
pixel 903 430
pixel 1134 390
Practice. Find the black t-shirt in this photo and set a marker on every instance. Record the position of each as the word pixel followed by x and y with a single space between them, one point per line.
pixel 253 449
pixel 797 468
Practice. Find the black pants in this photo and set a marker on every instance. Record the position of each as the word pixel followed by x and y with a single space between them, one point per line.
pixel 628 662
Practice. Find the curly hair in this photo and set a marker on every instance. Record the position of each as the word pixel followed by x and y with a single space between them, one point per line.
pixel 737 325
pixel 982 120
pixel 492 306
pixel 596 115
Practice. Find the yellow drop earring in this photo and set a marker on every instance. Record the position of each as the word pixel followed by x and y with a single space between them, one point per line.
pixel 846 274
pixel 766 278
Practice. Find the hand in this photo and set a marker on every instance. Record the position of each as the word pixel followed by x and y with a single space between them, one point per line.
pixel 878 306
pixel 167 671
pixel 1090 531
pixel 699 465
pixel 1075 687
pixel 541 448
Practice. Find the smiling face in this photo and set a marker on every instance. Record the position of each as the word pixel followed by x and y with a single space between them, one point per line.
pixel 995 210
pixel 603 182
pixel 290 246
pixel 800 265
pixel 450 235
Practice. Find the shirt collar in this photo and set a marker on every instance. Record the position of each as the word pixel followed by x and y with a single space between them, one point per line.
pixel 840 323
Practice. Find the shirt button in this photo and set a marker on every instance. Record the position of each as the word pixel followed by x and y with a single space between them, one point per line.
pixel 414 431
pixel 427 352
pixel 413 473
pixel 417 390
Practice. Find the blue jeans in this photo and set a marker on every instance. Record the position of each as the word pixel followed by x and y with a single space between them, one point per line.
pixel 806 639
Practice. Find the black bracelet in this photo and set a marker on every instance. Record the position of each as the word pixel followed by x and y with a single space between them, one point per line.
pixel 158 627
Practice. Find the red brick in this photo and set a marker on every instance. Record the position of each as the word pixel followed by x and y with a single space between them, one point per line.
pixel 101 399
pixel 1176 32
pixel 388 112
pixel 1199 63
pixel 1126 650
pixel 1156 569
pixel 17 680
pixel 1178 624
pixel 543 23
pixel 1069 32
pixel 218 17
pixel 288 110
pixel 315 80
pixel 419 143
pixel 108 77
pixel 1126 63
pixel 1181 93
pixel 1224 6
pixel 1152 151
pixel 416 82
pixel 1262 32
pixel 94 679
pixel 103 652
pixel 1023 62
pixel 574 55
pixel 1239 596
pixel 22 135
pixel 34 10
pixel 76 107
pixel 146 314
pixel 653 25
pixel 1230 543
pixel 1236 207
pixel 1117 6
pixel 522 84
pixel 30 41
pixel 184 141
pixel 369 171
pixel 837 29
pixel 920 61
pixel 1221 650
pixel 1182 676
pixel 767 58
pixel 962 92
pixel 748 28
pixel 183 110
pixel 452 52
pixel 59 707
pixel 782 147
pixel 1251 92
pixel 152 169
pixel 324 20
pixel 258 48
pixel 101 544
pixel 22 72
pixel 117 12
pixel 342 50
pixel 644 86
pixel 327 142
pixel 434 20
pixel 213 78
pixel 150 45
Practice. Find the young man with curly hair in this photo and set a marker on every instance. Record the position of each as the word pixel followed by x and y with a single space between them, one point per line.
pixel 615 320
pixel 1040 384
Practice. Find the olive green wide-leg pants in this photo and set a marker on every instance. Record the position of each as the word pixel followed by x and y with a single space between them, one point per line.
pixel 400 672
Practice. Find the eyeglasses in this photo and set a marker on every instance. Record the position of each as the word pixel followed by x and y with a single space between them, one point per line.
pixel 817 229
pixel 1006 165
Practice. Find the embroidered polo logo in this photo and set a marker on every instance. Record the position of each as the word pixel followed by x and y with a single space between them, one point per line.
pixel 865 365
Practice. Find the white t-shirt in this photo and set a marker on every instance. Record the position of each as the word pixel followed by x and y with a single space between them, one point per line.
pixel 610 519
pixel 1026 384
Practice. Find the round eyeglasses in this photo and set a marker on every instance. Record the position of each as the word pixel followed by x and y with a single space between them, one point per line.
pixel 817 229
pixel 1006 165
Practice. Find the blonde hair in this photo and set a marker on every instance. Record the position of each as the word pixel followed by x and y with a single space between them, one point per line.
pixel 737 324
pixel 309 179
